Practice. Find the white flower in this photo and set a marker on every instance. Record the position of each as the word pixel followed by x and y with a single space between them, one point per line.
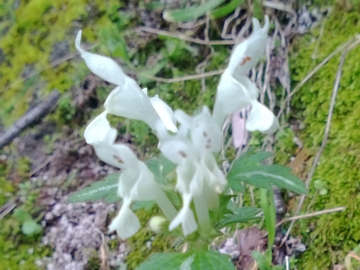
pixel 235 91
pixel 136 183
pixel 198 176
pixel 127 99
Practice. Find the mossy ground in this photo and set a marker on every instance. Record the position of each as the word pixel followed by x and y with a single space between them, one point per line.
pixel 330 237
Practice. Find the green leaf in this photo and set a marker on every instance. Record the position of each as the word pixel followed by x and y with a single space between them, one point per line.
pixel 261 260
pixel 161 167
pixel 226 9
pixel 188 261
pixel 146 205
pixel 21 215
pixel 248 168
pixel 30 227
pixel 268 206
pixel 191 13
pixel 243 214
pixel 105 189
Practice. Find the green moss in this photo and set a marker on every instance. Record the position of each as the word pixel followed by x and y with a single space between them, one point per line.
pixel 139 249
pixel 31 32
pixel 334 234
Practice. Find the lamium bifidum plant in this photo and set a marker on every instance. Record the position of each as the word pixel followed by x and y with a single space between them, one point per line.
pixel 190 147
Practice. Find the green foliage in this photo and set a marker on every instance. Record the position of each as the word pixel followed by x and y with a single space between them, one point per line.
pixel 263 261
pixel 285 146
pixel 248 168
pixel 29 226
pixel 138 244
pixel 240 215
pixel 32 33
pixel 190 260
pixel 104 189
pixel 191 13
pixel 334 235
pixel 226 9
pixel 107 188
pixel 268 205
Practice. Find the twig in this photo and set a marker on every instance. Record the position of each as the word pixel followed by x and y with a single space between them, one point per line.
pixel 29 117
pixel 184 37
pixel 279 6
pixel 325 139
pixel 318 213
pixel 185 78
pixel 7 208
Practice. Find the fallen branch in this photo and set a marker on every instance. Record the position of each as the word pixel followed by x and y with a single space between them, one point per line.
pixel 29 117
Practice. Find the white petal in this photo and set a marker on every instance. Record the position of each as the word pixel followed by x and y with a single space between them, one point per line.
pixel 249 52
pixel 102 66
pixel 117 155
pixel 139 183
pixel 177 150
pixel 130 102
pixel 261 119
pixel 206 135
pixel 126 222
pixel 230 97
pixel 165 113
pixel 213 175
pixel 190 178
pixel 100 131
pixel 185 217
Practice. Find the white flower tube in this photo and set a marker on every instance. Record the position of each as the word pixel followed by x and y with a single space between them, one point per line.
pixel 126 222
pixel 185 217
pixel 102 66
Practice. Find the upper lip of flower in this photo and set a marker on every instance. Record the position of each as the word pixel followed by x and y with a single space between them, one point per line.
pixel 235 91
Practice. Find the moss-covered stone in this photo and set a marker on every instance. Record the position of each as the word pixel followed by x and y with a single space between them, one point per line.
pixel 330 237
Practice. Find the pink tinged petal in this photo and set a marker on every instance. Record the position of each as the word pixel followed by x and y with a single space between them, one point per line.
pixel 165 113
pixel 117 155
pixel 102 66
pixel 185 217
pixel 248 53
pixel 239 133
pixel 126 222
pixel 261 119
pixel 230 97
pixel 130 102
pixel 100 131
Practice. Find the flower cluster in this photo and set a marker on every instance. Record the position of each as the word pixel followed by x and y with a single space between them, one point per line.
pixel 190 142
